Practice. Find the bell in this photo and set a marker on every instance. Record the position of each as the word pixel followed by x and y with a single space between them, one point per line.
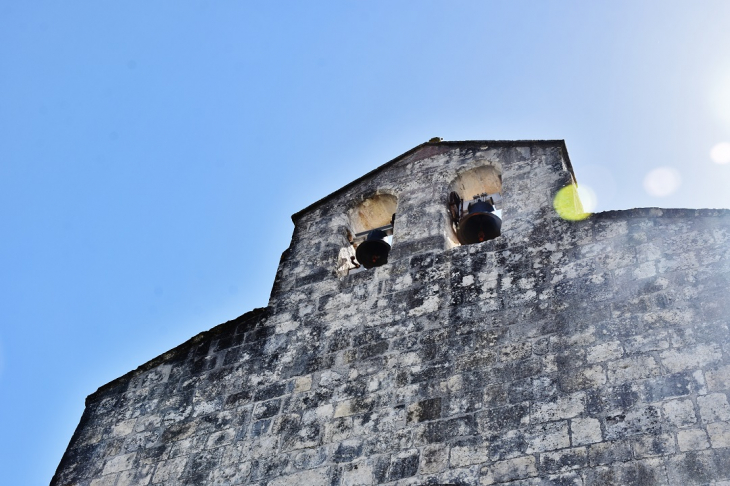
pixel 373 252
pixel 479 225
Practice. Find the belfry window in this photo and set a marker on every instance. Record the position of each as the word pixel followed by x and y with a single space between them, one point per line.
pixel 475 203
pixel 370 235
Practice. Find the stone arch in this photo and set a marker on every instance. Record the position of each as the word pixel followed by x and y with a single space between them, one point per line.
pixel 372 212
pixel 482 179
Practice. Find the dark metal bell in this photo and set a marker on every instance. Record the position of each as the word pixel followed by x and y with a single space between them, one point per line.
pixel 373 252
pixel 479 225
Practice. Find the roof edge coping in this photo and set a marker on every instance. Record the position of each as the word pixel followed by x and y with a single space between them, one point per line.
pixel 173 353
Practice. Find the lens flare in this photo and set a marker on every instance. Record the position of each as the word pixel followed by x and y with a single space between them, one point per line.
pixel 588 198
pixel 720 153
pixel 662 181
pixel 567 204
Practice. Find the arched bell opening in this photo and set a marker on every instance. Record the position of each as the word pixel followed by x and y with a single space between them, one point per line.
pixel 474 204
pixel 370 234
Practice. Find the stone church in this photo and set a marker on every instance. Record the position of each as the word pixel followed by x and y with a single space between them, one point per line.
pixel 439 322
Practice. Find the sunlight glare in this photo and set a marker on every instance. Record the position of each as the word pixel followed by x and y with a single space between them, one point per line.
pixel 662 181
pixel 720 153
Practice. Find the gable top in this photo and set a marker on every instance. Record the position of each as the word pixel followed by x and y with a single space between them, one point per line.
pixel 465 143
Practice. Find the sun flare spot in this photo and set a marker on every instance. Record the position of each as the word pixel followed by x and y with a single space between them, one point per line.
pixel 720 153
pixel 567 203
pixel 662 181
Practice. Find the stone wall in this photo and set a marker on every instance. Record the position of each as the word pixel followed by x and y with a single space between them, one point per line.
pixel 594 352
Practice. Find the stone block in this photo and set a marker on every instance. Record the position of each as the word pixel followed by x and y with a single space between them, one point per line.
pixel 658 389
pixel 219 439
pixel 434 459
pixel 347 451
pixel 515 351
pixel 564 460
pixel 263 468
pixel 653 445
pixel 303 383
pixel 719 434
pixel 610 452
pixel 444 430
pixel 170 470
pixel 641 420
pixel 120 463
pixel 424 410
pixel 510 470
pixel 692 440
pixel 338 429
pixel 718 379
pixel 469 454
pixel 135 477
pixel 714 407
pixel 648 472
pixel 358 474
pixel 632 369
pixel 403 465
pixel 604 352
pixel 202 465
pixel 108 480
pixel 558 408
pixel 680 413
pixel 507 445
pixel 582 378
pixel 585 431
pixel 313 476
pixel 676 360
pixel 696 467
pixel 123 428
pixel 548 437
pixel 464 475
pixel 504 418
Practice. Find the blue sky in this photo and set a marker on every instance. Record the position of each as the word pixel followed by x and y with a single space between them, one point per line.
pixel 151 153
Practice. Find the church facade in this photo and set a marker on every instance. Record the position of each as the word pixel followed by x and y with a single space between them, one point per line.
pixel 588 350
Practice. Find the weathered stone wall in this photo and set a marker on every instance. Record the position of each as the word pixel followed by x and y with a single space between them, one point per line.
pixel 593 352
